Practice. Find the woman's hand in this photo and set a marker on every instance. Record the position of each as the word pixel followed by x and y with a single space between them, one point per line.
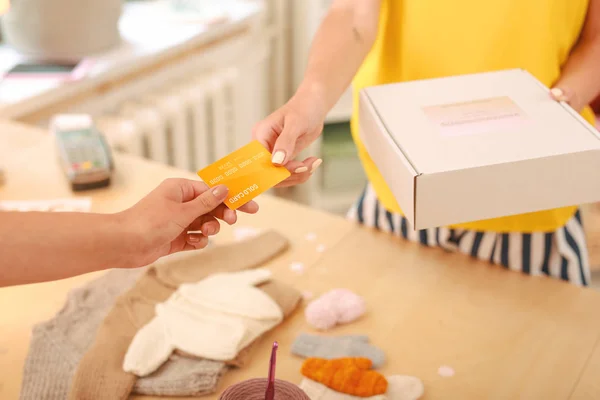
pixel 291 129
pixel 164 217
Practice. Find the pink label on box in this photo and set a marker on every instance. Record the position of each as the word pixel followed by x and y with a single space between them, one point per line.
pixel 473 117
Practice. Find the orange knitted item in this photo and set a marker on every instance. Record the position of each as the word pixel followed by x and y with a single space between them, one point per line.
pixel 350 375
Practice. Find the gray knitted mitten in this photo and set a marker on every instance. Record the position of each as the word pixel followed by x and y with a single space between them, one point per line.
pixel 330 347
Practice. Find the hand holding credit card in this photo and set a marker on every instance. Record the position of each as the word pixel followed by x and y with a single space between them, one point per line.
pixel 247 172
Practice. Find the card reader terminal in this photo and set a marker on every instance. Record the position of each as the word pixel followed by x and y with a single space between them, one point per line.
pixel 85 156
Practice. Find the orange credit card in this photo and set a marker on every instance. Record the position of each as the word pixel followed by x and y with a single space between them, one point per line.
pixel 247 172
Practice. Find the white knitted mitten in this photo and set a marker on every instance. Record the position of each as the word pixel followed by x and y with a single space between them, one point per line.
pixel 400 387
pixel 214 319
pixel 318 391
pixel 404 387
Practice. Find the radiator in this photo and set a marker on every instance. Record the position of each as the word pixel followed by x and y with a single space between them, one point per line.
pixel 187 125
pixel 190 115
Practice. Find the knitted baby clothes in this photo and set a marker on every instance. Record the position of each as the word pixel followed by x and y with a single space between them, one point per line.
pixel 183 376
pixel 214 318
pixel 100 374
pixel 287 297
pixel 318 391
pixel 346 375
pixel 332 347
pixel 57 345
pixel 404 387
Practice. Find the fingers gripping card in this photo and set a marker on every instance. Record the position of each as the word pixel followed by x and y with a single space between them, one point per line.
pixel 247 172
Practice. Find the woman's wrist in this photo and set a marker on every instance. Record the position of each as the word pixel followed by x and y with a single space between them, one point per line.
pixel 312 95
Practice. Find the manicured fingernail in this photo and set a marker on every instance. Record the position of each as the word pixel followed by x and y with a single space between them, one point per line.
pixel 557 93
pixel 278 157
pixel 300 170
pixel 209 231
pixel 316 165
pixel 194 239
pixel 220 191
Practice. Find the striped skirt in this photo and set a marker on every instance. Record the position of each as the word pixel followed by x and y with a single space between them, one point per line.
pixel 561 254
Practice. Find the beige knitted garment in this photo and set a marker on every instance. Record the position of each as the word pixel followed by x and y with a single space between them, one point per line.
pixel 100 374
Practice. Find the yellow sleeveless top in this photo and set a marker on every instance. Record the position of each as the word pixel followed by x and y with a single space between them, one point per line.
pixel 420 39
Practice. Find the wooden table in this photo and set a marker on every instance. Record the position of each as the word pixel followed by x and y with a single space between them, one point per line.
pixel 506 335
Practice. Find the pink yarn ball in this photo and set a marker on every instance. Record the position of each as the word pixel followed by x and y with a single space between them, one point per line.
pixel 338 306
pixel 320 316
pixel 350 307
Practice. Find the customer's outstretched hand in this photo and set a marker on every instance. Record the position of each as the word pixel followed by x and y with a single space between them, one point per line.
pixel 176 207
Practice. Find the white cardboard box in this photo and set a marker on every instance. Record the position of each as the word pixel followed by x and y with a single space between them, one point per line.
pixel 474 147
